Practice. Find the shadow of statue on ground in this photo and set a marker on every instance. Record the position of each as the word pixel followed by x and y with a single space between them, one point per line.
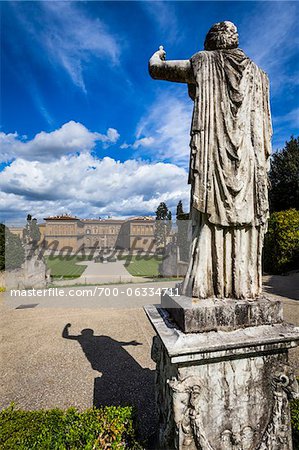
pixel 122 380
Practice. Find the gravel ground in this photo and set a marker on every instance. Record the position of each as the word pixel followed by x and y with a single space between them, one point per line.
pixel 106 363
pixel 102 358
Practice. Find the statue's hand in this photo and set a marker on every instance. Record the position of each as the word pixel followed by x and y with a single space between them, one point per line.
pixel 161 53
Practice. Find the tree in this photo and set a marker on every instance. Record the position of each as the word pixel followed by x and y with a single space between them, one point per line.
pixel 12 253
pixel 284 177
pixel 281 250
pixel 163 224
pixel 179 209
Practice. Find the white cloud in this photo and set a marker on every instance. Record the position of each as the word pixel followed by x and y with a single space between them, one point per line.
pixel 70 37
pixel 87 186
pixel 270 38
pixel 124 145
pixel 168 122
pixel 163 14
pixel 70 138
pixel 142 142
pixel 163 133
pixel 112 135
pixel 283 126
pixel 291 119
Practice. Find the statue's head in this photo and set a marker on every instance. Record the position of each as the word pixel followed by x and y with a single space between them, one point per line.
pixel 87 332
pixel 222 35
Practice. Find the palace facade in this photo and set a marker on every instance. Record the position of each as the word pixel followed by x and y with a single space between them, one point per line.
pixel 136 233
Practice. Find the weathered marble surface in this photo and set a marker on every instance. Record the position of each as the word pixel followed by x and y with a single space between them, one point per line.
pixel 222 380
pixel 229 158
pixel 223 390
pixel 197 315
pixel 32 274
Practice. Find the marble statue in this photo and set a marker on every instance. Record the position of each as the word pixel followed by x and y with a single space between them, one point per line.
pixel 229 158
pixel 223 380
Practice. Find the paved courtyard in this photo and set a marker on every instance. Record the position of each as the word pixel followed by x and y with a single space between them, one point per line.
pixel 110 272
pixel 103 357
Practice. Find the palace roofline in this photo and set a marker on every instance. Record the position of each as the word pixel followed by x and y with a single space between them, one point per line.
pixel 62 217
pixel 103 220
pixel 66 217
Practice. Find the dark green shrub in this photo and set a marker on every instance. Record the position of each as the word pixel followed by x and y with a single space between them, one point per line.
pixel 162 225
pixel 295 423
pixel 94 429
pixel 105 428
pixel 281 250
pixel 284 177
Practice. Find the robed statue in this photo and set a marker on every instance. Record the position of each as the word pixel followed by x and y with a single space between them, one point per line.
pixel 229 157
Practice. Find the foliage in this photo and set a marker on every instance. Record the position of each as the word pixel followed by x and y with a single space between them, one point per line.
pixel 162 212
pixel 12 253
pixel 106 428
pixel 179 209
pixel 281 250
pixel 295 423
pixel 284 177
pixel 144 266
pixel 65 267
pixel 162 225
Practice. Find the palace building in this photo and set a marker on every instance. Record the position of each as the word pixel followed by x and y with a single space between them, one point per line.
pixel 136 233
pixel 65 232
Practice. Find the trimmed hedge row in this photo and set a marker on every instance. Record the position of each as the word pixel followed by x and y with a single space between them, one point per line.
pixel 105 428
pixel 281 250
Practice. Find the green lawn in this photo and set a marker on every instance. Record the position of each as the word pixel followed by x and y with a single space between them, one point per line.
pixel 65 267
pixel 143 266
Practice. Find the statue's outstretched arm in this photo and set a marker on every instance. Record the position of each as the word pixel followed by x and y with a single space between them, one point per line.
pixel 65 333
pixel 179 71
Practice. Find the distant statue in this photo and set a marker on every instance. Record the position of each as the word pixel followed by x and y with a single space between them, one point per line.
pixel 31 232
pixel 230 148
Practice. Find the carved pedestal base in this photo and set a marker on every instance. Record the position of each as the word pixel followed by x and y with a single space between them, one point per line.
pixel 194 315
pixel 223 390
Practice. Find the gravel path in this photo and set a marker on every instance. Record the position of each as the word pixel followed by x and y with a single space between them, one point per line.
pixel 99 273
pixel 102 358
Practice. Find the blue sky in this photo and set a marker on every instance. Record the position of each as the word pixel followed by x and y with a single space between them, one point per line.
pixel 86 131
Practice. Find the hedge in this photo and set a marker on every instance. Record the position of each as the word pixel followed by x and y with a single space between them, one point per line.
pixel 281 250
pixel 104 428
pixel 295 423
pixel 12 254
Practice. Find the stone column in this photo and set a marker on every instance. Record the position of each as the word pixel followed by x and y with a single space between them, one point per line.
pixel 227 387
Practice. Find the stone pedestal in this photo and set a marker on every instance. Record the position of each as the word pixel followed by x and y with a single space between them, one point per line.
pixel 224 390
pixel 196 315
